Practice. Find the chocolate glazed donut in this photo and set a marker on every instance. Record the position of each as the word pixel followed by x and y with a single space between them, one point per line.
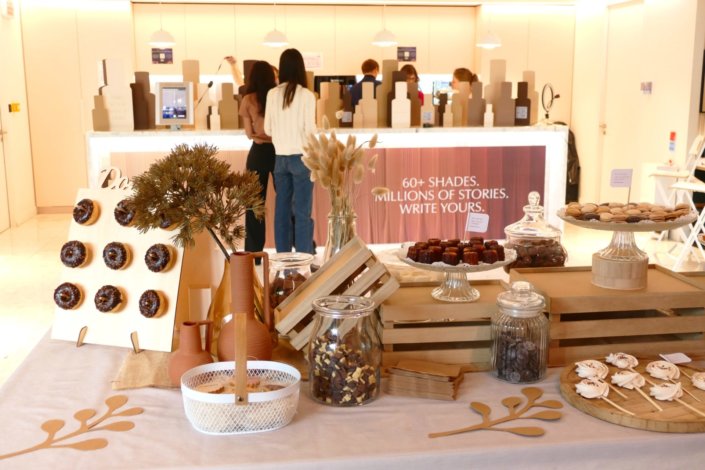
pixel 124 213
pixel 85 212
pixel 67 296
pixel 73 254
pixel 107 298
pixel 116 255
pixel 151 303
pixel 157 257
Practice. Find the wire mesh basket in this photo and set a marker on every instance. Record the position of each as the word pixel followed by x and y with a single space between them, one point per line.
pixel 221 414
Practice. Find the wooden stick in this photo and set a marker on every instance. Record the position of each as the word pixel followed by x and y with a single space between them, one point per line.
pixel 687 391
pixel 617 406
pixel 685 373
pixel 695 410
pixel 616 390
pixel 648 398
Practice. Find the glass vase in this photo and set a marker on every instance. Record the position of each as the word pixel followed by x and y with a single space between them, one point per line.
pixel 341 229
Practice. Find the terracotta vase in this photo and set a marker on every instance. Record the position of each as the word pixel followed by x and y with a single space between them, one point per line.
pixel 190 353
pixel 259 336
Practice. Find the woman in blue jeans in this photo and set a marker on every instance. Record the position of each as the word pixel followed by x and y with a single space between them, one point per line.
pixel 289 118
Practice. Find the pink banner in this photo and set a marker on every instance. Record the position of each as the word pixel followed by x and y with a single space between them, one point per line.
pixel 432 191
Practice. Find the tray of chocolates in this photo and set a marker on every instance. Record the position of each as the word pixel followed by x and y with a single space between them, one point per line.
pixel 455 255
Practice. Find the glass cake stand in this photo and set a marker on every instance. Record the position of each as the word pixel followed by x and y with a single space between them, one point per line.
pixel 455 286
pixel 623 247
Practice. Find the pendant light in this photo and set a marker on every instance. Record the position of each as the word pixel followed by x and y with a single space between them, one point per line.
pixel 384 38
pixel 489 40
pixel 161 38
pixel 275 38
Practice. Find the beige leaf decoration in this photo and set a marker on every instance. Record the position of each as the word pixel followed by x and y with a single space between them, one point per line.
pixel 116 401
pixel 84 415
pixel 131 412
pixel 117 426
pixel 547 415
pixel 52 426
pixel 549 404
pixel 527 431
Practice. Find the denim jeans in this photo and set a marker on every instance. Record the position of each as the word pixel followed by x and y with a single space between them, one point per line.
pixel 294 197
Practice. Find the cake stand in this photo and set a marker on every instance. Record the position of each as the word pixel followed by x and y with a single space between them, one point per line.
pixel 455 286
pixel 622 265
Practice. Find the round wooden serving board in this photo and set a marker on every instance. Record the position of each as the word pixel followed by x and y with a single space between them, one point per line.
pixel 674 417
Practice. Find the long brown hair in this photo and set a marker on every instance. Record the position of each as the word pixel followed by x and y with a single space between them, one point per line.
pixel 260 81
pixel 292 71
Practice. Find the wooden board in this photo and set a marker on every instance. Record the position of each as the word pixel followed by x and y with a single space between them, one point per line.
pixel 674 418
pixel 114 329
pixel 586 320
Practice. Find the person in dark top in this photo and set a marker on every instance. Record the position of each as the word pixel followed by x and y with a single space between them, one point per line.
pixel 370 68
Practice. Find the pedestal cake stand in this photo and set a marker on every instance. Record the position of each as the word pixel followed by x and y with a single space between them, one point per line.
pixel 455 286
pixel 622 265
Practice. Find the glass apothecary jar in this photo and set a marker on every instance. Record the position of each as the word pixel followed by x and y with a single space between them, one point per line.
pixel 345 353
pixel 287 271
pixel 537 244
pixel 519 335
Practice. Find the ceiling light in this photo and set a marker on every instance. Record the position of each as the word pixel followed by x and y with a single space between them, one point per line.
pixel 384 38
pixel 489 40
pixel 275 38
pixel 161 38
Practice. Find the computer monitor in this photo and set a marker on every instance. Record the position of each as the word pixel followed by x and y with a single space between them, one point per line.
pixel 344 80
pixel 174 104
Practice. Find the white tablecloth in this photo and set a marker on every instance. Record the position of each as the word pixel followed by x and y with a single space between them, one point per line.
pixel 58 379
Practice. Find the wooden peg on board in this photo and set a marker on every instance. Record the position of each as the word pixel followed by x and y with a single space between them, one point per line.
pixel 81 336
pixel 476 105
pixel 135 340
pixel 504 109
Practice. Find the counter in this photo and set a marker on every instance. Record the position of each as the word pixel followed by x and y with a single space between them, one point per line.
pixel 436 176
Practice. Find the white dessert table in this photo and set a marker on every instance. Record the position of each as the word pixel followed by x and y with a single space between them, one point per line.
pixel 58 379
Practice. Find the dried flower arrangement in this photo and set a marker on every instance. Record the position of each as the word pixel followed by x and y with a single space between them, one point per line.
pixel 193 190
pixel 339 167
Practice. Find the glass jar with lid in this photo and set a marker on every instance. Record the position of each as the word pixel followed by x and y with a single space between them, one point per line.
pixel 519 335
pixel 287 271
pixel 345 353
pixel 537 244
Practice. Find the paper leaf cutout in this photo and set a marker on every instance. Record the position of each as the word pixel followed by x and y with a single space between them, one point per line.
pixel 515 411
pixel 83 417
pixel 89 444
pixel 482 409
pixel 528 431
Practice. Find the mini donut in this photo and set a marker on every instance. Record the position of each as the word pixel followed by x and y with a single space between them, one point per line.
pixel 124 213
pixel 74 254
pixel 158 258
pixel 108 298
pixel 68 296
pixel 116 255
pixel 152 303
pixel 86 212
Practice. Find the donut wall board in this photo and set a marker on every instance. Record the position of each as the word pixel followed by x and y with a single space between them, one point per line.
pixel 114 327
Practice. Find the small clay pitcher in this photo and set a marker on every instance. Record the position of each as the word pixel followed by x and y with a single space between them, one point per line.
pixel 190 353
pixel 259 335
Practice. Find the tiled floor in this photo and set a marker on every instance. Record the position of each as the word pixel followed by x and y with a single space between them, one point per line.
pixel 30 269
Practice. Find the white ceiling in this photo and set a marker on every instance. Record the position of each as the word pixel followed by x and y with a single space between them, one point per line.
pixel 369 2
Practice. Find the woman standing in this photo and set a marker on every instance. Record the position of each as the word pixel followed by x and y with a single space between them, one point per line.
pixel 260 159
pixel 289 117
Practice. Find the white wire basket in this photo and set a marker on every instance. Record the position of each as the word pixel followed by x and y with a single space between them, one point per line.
pixel 219 414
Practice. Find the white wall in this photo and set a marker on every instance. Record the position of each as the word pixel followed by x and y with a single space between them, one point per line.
pixel 16 143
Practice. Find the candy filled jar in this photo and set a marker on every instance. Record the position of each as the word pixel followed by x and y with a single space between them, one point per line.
pixel 520 331
pixel 287 271
pixel 345 353
pixel 537 244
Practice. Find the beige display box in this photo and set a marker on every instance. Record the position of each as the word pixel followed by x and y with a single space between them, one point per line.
pixel 587 321
pixel 417 326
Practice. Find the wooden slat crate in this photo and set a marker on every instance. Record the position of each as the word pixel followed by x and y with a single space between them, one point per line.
pixel 417 326
pixel 354 270
pixel 588 321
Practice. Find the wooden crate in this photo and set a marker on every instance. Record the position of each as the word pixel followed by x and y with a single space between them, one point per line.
pixel 417 326
pixel 354 270
pixel 588 321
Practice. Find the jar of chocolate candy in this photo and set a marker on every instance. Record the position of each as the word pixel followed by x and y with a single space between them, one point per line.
pixel 536 243
pixel 287 271
pixel 519 335
pixel 345 353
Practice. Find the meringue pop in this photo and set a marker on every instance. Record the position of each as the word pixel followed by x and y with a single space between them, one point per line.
pixel 622 360
pixel 592 388
pixel 628 379
pixel 590 368
pixel 666 391
pixel 698 380
pixel 663 370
